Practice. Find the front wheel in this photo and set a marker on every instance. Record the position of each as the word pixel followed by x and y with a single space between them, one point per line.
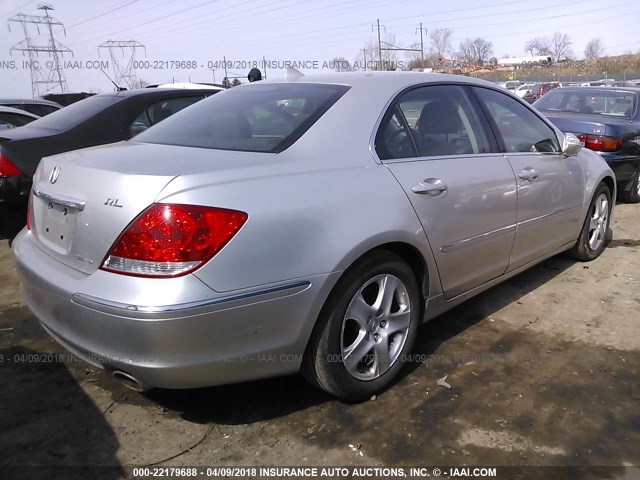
pixel 592 240
pixel 366 328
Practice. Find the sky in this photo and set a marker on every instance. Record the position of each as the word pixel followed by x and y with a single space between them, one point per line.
pixel 204 32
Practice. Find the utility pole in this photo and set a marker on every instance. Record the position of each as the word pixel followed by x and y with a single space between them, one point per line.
pixel 379 43
pixel 422 45
pixel 124 76
pixel 364 55
pixel 41 82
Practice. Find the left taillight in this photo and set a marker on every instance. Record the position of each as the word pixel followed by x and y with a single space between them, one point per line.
pixel 168 240
pixel 7 168
pixel 601 143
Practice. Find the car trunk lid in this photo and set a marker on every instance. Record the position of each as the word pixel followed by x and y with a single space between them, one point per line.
pixel 79 211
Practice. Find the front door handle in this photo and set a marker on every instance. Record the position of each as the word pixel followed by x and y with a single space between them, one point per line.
pixel 430 186
pixel 529 174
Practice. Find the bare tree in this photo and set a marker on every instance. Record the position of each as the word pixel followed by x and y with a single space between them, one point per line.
pixel 538 46
pixel 560 46
pixel 440 42
pixel 475 52
pixel 594 49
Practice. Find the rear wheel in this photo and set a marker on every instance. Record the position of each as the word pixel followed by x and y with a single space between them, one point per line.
pixel 592 240
pixel 632 194
pixel 366 328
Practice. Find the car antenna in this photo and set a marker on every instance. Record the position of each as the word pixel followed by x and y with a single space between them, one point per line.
pixel 118 88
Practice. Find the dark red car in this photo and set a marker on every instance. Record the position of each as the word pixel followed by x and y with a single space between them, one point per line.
pixel 538 90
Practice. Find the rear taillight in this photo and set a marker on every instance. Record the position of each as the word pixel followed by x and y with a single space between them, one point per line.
pixel 601 143
pixel 170 240
pixel 7 168
pixel 29 211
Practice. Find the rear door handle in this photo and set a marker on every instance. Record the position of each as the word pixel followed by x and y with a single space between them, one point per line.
pixel 430 186
pixel 529 174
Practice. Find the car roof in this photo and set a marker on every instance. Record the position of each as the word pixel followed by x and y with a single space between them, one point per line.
pixel 160 92
pixel 17 111
pixel 383 83
pixel 32 101
pixel 602 89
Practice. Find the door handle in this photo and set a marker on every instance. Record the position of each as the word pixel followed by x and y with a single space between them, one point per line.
pixel 430 186
pixel 529 174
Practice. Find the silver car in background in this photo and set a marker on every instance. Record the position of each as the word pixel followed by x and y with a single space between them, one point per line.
pixel 310 224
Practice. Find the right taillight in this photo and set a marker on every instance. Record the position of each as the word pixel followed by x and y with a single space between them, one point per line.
pixel 601 143
pixel 7 168
pixel 30 211
pixel 168 240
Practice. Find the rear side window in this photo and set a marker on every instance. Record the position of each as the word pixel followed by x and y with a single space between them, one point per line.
pixel 520 128
pixel 158 111
pixel 257 118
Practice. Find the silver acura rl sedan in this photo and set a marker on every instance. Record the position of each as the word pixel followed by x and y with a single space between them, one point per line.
pixel 304 225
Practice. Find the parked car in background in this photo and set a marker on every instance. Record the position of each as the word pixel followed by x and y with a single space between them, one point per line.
pixel 606 120
pixel 511 85
pixel 95 120
pixel 539 89
pixel 66 99
pixel 523 89
pixel 13 118
pixel 36 106
pixel 309 224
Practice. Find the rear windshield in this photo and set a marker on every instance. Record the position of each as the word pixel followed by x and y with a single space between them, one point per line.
pixel 75 113
pixel 612 103
pixel 256 118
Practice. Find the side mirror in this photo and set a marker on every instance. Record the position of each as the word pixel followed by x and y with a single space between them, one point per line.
pixel 571 145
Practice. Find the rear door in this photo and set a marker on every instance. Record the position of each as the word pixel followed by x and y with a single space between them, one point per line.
pixel 464 193
pixel 550 185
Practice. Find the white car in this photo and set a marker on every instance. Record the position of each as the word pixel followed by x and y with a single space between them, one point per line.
pixel 523 89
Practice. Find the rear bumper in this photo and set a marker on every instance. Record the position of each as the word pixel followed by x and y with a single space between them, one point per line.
pixel 624 166
pixel 213 340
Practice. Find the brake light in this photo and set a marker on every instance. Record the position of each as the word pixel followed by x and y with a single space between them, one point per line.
pixel 170 240
pixel 29 213
pixel 601 143
pixel 7 168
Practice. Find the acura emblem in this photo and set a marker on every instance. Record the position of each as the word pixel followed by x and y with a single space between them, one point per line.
pixel 55 173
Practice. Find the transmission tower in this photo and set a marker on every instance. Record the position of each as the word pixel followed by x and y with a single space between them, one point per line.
pixel 124 72
pixel 43 80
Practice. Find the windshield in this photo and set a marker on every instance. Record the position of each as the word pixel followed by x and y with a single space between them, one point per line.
pixel 257 118
pixel 75 113
pixel 611 103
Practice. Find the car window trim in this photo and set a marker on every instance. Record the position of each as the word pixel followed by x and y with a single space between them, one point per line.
pixel 395 109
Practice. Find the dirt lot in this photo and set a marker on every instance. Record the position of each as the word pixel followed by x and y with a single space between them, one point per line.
pixel 544 370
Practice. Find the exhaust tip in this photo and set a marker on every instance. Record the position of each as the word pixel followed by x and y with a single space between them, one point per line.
pixel 129 381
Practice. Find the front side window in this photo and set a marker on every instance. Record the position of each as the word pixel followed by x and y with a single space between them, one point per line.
pixel 520 128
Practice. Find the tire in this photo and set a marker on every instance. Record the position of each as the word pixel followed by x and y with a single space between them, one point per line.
pixel 632 195
pixel 363 334
pixel 592 240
